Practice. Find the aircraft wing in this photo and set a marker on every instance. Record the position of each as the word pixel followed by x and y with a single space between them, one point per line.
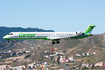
pixel 56 38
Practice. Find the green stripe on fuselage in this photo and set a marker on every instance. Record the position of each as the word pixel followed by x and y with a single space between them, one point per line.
pixel 83 37
pixel 80 37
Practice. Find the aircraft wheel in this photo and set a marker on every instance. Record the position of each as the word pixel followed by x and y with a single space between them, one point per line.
pixel 53 42
pixel 58 42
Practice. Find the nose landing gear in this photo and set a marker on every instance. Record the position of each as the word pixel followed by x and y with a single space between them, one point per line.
pixel 8 40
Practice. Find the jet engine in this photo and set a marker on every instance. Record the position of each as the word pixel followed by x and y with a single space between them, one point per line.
pixel 80 33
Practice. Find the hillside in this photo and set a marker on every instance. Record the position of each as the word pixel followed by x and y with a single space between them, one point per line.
pixel 6 30
pixel 95 43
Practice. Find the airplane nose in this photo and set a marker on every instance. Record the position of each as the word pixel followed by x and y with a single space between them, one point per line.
pixel 6 36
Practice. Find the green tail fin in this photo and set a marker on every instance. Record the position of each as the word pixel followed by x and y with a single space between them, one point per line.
pixel 89 29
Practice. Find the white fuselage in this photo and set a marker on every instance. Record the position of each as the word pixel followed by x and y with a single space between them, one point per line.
pixel 40 35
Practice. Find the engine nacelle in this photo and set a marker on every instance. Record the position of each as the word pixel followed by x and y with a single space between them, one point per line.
pixel 80 33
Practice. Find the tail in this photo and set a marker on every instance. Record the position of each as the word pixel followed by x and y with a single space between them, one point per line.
pixel 87 32
pixel 89 29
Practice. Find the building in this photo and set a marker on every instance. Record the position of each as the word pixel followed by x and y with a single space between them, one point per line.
pixel 77 54
pixel 99 64
pixel 71 59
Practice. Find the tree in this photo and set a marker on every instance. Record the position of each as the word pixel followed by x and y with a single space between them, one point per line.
pixel 58 59
pixel 52 58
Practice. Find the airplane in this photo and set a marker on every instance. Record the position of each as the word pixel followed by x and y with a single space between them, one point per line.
pixel 54 36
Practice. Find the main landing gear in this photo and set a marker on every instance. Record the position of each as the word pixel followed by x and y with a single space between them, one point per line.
pixel 53 42
pixel 56 41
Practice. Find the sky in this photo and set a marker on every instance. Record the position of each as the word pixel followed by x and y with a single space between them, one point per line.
pixel 57 15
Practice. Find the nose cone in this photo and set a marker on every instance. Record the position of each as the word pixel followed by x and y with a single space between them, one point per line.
pixel 5 36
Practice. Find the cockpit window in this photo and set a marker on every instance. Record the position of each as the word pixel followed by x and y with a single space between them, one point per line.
pixel 10 33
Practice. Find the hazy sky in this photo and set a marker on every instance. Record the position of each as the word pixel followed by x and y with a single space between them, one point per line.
pixel 57 15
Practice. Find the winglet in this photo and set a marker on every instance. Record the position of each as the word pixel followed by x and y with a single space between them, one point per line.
pixel 89 29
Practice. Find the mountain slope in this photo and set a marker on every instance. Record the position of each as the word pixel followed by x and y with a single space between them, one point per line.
pixel 95 43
